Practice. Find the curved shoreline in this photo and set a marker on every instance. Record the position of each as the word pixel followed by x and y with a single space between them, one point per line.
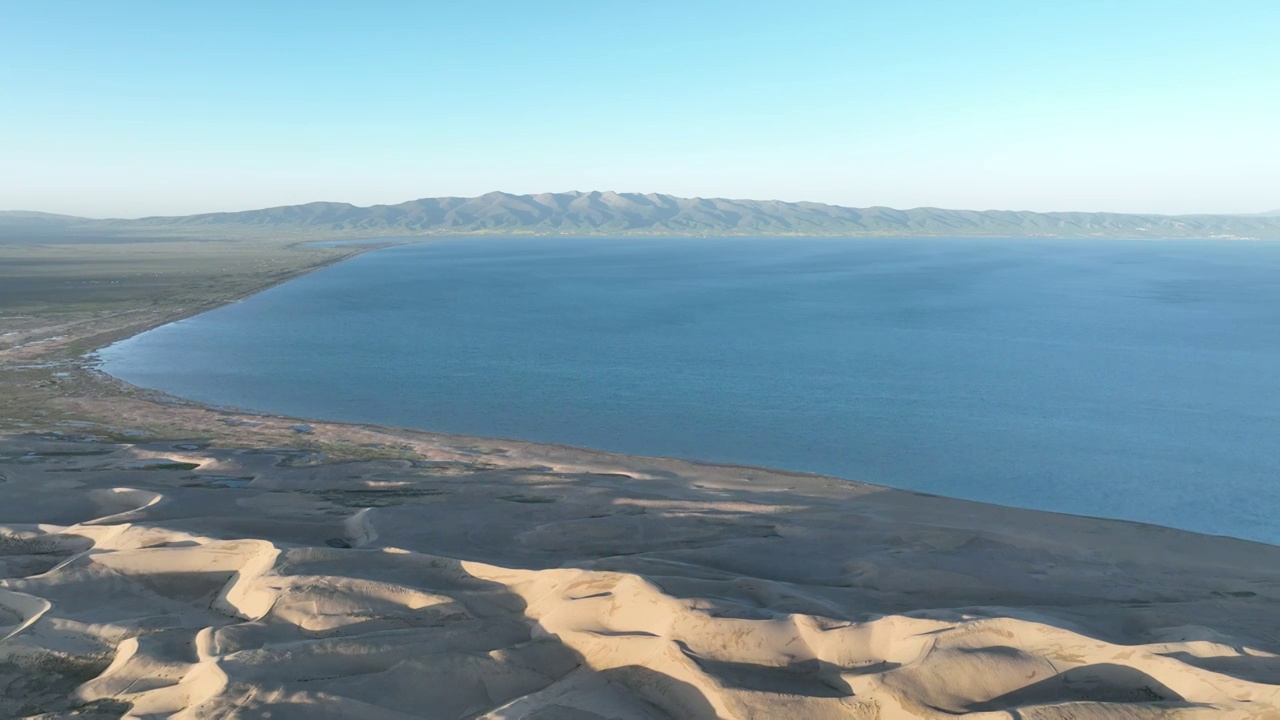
pixel 1062 502
pixel 621 459
pixel 187 313
pixel 659 578
pixel 195 560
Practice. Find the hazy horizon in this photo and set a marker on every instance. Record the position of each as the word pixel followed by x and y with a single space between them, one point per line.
pixel 605 192
pixel 159 109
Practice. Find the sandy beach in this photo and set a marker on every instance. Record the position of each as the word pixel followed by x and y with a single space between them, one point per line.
pixel 159 558
pixel 473 578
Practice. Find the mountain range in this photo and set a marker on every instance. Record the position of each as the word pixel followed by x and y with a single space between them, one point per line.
pixel 610 213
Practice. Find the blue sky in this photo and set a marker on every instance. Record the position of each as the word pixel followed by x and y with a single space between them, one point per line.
pixel 130 108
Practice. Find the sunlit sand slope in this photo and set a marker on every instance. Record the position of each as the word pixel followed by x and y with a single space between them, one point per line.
pixel 508 580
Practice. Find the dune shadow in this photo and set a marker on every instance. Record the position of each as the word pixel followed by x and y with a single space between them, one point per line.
pixel 675 697
pixel 807 678
pixel 1100 683
pixel 1250 668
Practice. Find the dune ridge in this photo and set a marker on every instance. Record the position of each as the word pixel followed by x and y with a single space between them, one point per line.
pixel 510 580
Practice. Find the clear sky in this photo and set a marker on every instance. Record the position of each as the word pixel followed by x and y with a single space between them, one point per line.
pixel 128 107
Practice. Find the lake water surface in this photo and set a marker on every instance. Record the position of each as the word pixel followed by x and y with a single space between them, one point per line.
pixel 1129 379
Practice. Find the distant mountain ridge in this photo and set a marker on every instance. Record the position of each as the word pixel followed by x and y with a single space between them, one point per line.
pixel 610 213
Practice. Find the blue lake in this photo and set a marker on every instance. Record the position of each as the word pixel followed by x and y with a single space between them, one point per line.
pixel 1130 379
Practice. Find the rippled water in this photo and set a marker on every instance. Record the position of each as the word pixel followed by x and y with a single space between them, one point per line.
pixel 1132 379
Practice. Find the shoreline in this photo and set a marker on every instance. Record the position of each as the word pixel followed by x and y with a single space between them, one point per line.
pixel 162 557
pixel 357 248
pixel 682 557
pixel 185 313
pixel 90 363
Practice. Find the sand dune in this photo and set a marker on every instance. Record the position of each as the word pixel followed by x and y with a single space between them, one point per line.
pixel 478 579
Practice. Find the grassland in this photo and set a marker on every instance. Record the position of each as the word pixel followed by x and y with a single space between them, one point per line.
pixel 61 300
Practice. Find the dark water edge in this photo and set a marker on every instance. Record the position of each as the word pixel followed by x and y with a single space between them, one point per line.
pixel 1127 379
